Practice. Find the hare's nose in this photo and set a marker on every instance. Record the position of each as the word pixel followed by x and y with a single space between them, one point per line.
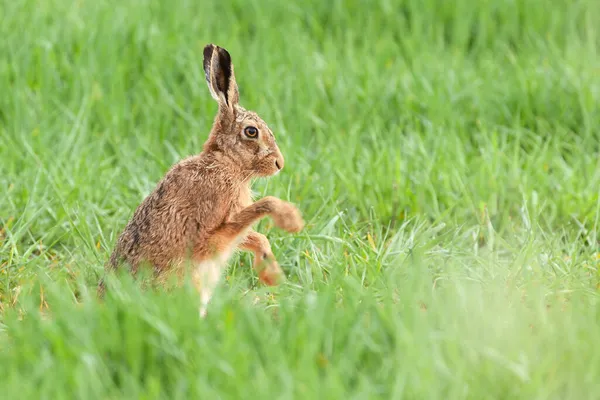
pixel 279 163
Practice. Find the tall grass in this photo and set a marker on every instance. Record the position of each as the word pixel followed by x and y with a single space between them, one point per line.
pixel 444 154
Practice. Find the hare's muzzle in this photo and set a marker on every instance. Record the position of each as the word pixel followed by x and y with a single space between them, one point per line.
pixel 279 162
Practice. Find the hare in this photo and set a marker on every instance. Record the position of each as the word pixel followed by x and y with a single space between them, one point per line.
pixel 202 209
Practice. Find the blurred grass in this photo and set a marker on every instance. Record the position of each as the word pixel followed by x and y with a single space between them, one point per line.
pixel 444 154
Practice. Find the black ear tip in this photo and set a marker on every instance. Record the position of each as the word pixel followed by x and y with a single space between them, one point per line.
pixel 223 51
pixel 208 50
pixel 223 54
pixel 224 57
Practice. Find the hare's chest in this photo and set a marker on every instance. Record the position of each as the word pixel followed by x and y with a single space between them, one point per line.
pixel 245 197
pixel 243 200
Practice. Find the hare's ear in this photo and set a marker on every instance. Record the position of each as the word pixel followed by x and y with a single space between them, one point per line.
pixel 218 70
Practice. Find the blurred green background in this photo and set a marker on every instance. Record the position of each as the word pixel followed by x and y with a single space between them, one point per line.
pixel 445 155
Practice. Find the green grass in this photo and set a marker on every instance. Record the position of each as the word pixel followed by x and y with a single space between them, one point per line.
pixel 445 156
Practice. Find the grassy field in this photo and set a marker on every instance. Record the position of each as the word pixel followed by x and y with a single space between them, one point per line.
pixel 445 156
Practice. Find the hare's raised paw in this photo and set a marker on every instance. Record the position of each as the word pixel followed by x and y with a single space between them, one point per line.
pixel 287 217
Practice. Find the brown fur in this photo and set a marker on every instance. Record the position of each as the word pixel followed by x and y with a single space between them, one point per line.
pixel 202 209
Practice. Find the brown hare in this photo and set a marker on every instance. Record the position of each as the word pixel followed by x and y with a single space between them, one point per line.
pixel 202 210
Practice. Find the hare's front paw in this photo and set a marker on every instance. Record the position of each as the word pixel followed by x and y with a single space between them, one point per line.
pixel 269 271
pixel 287 217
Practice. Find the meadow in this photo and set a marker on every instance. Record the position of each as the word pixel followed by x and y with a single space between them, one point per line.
pixel 444 154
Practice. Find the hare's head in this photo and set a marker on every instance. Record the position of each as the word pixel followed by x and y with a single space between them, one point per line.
pixel 238 133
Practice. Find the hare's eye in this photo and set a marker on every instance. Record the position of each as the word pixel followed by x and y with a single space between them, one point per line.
pixel 251 132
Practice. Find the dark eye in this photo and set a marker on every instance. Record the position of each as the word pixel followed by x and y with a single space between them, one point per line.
pixel 251 132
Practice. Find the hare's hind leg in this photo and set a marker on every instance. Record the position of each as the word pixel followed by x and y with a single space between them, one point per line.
pixel 206 276
pixel 209 265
